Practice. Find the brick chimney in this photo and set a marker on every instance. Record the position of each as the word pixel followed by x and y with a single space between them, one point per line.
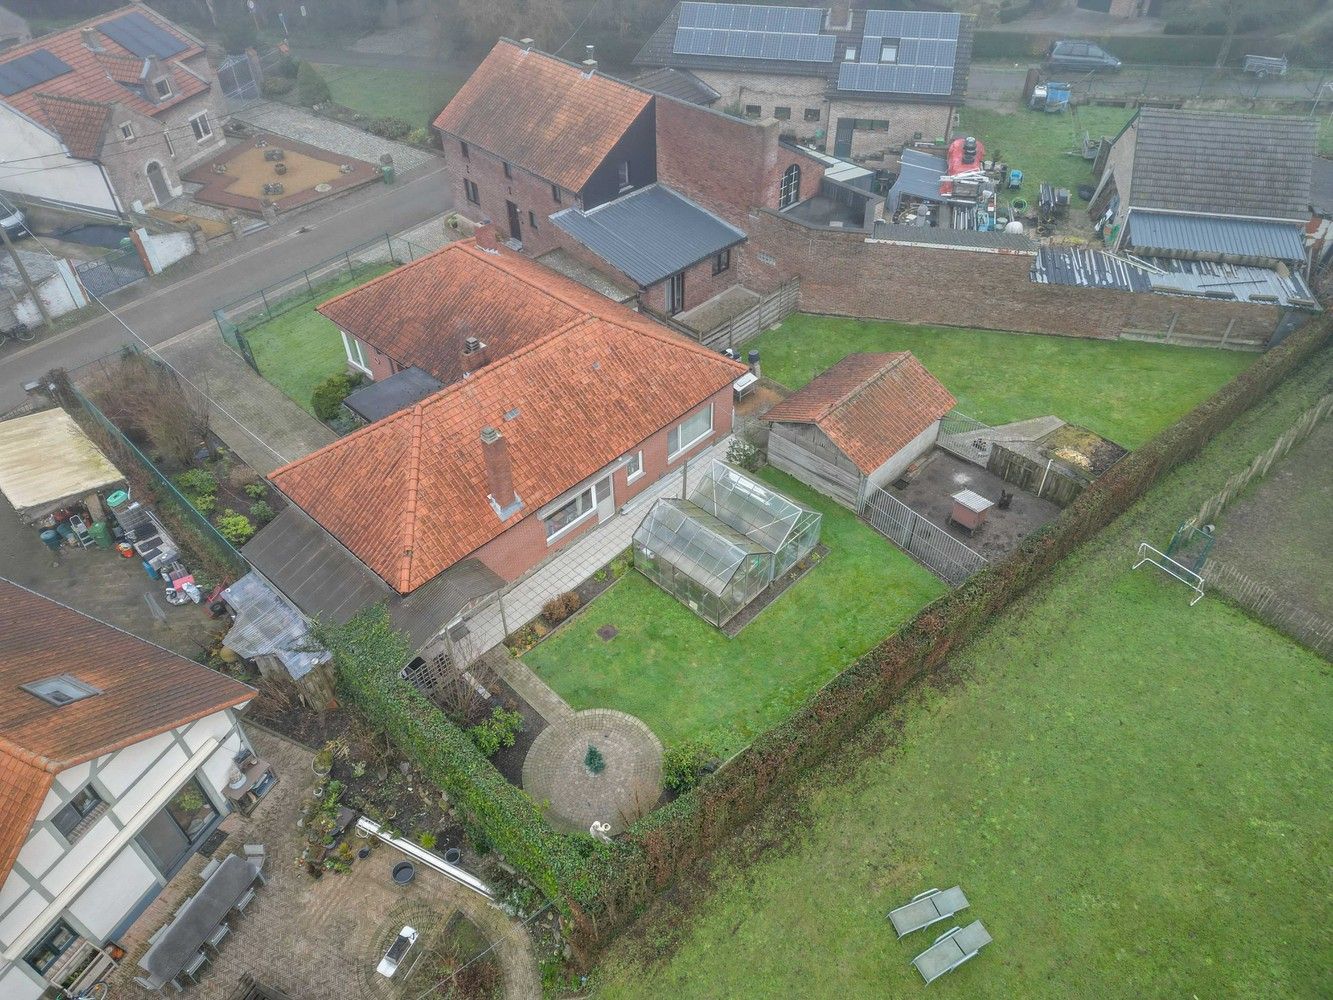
pixel 474 355
pixel 839 15
pixel 499 474
pixel 484 234
pixel 90 40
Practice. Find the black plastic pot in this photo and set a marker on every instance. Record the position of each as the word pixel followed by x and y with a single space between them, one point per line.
pixel 453 855
pixel 403 873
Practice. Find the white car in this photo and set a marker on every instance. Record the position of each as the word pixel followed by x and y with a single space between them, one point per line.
pixel 397 952
pixel 12 219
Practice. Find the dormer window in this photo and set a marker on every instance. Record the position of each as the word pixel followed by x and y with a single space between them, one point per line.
pixel 888 50
pixel 622 174
pixel 162 87
pixel 60 690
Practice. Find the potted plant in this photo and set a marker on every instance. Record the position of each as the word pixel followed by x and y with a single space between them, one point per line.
pixel 323 763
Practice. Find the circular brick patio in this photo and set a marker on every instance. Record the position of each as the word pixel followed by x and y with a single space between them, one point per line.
pixel 629 786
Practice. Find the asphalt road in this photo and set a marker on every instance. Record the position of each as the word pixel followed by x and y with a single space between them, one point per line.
pixel 160 308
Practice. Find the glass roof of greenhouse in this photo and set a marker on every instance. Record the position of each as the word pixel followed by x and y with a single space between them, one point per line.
pixel 749 507
pixel 696 542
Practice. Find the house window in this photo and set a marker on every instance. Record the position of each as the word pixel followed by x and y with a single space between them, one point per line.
pixel 888 50
pixel 790 190
pixel 358 355
pixel 870 125
pixel 60 690
pixel 46 952
pixel 162 87
pixel 462 146
pixel 721 261
pixel 191 809
pixel 555 193
pixel 509 171
pixel 812 114
pixel 76 817
pixel 675 293
pixel 532 219
pixel 753 111
pixel 127 132
pixel 470 192
pixel 200 127
pixel 689 432
pixel 634 467
pixel 782 114
pixel 166 137
pixel 622 174
pixel 574 512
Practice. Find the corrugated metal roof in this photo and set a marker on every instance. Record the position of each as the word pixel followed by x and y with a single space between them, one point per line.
pixel 1087 269
pixel 918 177
pixel 971 239
pixel 387 396
pixel 649 234
pixel 1202 234
pixel 267 624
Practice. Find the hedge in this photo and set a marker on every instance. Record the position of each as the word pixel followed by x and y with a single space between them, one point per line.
pixel 1151 50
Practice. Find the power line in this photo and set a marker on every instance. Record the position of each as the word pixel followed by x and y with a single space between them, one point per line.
pixel 595 5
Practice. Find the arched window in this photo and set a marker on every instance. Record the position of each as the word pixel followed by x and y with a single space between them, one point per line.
pixel 790 190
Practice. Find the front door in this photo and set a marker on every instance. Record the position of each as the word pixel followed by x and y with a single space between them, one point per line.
pixel 842 141
pixel 676 293
pixel 158 182
pixel 605 499
pixel 515 227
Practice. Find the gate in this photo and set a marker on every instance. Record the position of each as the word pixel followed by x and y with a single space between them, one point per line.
pixel 237 78
pixel 111 271
pixel 234 338
pixel 939 550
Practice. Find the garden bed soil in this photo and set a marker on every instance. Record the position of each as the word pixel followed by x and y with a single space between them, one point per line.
pixel 1087 453
pixel 539 629
pixel 509 760
pixel 773 591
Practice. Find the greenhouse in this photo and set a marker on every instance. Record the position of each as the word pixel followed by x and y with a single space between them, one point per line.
pixel 718 548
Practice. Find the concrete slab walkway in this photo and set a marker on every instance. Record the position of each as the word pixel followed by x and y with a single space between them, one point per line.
pixel 251 415
pixel 527 685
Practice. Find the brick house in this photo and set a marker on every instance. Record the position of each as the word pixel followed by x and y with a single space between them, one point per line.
pixel 857 83
pixel 108 112
pixel 114 763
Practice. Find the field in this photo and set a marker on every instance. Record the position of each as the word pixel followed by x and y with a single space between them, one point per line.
pixel 687 680
pixel 1132 793
pixel 412 95
pixel 300 348
pixel 1123 390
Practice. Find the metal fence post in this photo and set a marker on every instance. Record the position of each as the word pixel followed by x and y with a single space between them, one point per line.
pixel 310 289
pixel 264 298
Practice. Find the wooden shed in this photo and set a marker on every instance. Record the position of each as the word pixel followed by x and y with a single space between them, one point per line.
pixel 858 425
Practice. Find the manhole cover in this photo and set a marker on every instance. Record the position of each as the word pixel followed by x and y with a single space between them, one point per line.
pixel 324 188
pixel 608 632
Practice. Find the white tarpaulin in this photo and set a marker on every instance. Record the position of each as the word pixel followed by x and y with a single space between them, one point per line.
pixel 46 462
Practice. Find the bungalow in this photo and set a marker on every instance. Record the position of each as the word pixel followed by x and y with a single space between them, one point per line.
pixel 858 425
pixel 115 756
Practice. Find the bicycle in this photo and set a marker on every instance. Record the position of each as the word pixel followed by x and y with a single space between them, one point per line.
pixel 97 991
pixel 20 332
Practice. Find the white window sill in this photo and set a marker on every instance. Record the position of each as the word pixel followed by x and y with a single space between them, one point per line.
pixel 684 448
pixel 552 539
pixel 634 478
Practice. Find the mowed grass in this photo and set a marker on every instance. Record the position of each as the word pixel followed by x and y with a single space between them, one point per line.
pixel 1132 792
pixel 300 348
pixel 415 96
pixel 1124 390
pixel 687 680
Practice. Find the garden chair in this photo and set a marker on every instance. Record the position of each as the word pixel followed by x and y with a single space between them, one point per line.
pixel 927 908
pixel 244 901
pixel 256 855
pixel 207 871
pixel 218 936
pixel 950 950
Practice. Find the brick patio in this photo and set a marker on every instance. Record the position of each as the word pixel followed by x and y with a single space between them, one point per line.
pixel 321 938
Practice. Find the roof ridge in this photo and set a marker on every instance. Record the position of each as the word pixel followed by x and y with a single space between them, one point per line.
pixel 44 95
pixel 895 358
pixel 409 512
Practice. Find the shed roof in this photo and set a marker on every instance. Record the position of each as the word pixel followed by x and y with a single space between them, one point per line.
pixel 1222 163
pixel 46 461
pixel 919 175
pixel 387 396
pixel 1172 232
pixel 678 83
pixel 649 234
pixel 870 405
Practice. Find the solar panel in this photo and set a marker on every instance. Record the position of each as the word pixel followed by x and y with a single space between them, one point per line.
pixel 751 17
pixel 926 49
pixel 750 44
pixel 30 70
pixel 142 36
pixel 882 78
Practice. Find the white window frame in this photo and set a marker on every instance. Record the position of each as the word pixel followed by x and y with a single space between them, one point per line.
pixel 888 50
pixel 201 119
pixel 127 131
pixel 622 175
pixel 684 446
pixel 166 137
pixel 358 358
pixel 635 460
pixel 170 91
pixel 576 498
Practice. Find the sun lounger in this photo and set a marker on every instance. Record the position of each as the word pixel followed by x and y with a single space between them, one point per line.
pixel 930 907
pixel 950 950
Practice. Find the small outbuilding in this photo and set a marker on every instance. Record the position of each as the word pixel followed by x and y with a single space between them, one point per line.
pixel 858 425
pixel 47 464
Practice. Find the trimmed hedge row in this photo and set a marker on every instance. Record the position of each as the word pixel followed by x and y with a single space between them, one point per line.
pixel 1150 50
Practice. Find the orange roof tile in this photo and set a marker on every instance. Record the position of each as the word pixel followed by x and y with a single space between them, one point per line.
pixel 870 405
pixel 145 690
pixel 80 124
pixel 541 113
pixel 101 77
pixel 408 495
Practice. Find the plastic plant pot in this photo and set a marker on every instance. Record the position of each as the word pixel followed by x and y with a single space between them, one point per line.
pixel 453 856
pixel 403 873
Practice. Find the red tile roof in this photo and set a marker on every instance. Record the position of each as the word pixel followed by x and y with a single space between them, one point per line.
pixel 870 405
pixel 101 77
pixel 145 690
pixel 408 495
pixel 542 114
pixel 80 124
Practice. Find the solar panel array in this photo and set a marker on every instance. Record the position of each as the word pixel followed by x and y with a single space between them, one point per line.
pixel 28 71
pixel 142 36
pixel 751 31
pixel 926 52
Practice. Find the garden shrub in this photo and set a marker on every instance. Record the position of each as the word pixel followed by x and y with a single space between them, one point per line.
pixel 745 453
pixel 593 760
pixel 285 66
pixel 426 839
pixel 235 528
pixel 276 86
pixel 327 399
pixel 261 512
pixel 197 482
pixel 684 765
pixel 311 88
pixel 205 504
pixel 421 137
pixel 238 34
pixel 500 730
pixel 1013 10
pixel 256 490
pixel 557 609
pixel 390 127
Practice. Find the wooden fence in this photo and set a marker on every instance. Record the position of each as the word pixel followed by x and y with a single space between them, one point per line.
pixel 1268 605
pixel 1262 463
pixel 768 312
pixel 1046 480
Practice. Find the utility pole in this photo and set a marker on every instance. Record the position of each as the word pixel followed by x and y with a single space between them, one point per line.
pixel 23 273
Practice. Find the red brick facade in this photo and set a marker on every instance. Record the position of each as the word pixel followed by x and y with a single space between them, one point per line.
pixel 524 546
pixel 701 284
pixel 530 193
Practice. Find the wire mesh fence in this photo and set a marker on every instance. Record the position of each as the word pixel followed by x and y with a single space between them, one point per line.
pixel 1137 83
pixel 936 548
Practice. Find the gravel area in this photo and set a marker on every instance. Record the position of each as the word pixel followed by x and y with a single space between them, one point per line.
pixel 306 126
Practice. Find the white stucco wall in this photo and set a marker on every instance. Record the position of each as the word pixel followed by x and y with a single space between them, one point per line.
pixel 122 883
pixel 33 161
pixel 165 249
pixel 894 467
pixel 61 293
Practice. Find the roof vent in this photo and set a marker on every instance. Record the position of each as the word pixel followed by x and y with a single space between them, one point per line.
pixel 590 64
pixel 526 43
pixel 90 40
pixel 471 345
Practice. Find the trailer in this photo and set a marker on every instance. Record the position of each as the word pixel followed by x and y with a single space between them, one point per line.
pixel 1265 66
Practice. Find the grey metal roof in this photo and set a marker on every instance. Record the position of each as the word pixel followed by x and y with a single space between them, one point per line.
pixel 387 396
pixel 678 83
pixel 1171 232
pixel 967 238
pixel 326 581
pixel 919 176
pixel 649 234
pixel 1087 269
pixel 1321 185
pixel 1222 163
pixel 267 624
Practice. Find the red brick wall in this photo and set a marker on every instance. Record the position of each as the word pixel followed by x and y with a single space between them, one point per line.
pixel 701 284
pixel 523 546
pixel 843 275
pixel 526 190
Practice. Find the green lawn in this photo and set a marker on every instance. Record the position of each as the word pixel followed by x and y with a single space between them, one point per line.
pixel 1132 792
pixel 686 679
pixel 300 349
pixel 1124 390
pixel 413 95
pixel 1038 143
